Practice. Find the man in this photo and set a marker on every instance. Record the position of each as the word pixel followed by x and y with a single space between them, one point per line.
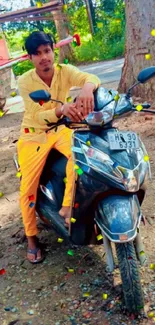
pixel 35 144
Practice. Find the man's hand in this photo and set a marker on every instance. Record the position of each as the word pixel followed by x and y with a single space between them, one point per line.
pixel 85 101
pixel 70 110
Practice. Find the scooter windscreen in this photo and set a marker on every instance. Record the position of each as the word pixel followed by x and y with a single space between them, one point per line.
pixel 107 105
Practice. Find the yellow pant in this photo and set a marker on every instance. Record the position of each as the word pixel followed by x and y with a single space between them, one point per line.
pixel 32 157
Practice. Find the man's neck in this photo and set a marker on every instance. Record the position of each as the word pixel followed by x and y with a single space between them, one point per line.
pixel 46 76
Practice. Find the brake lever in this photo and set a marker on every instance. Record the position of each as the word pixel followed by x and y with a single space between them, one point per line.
pixel 64 121
pixel 144 110
pixel 148 111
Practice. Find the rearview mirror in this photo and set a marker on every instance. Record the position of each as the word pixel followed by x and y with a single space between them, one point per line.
pixel 40 95
pixel 146 74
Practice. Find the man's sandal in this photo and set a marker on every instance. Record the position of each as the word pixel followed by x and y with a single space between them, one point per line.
pixel 35 252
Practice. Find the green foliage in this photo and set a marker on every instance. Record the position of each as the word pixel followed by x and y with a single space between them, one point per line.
pixel 21 67
pixel 95 51
pixel 108 40
pixel 15 40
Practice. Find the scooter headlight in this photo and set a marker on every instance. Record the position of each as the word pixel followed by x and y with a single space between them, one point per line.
pixel 101 162
pixel 130 179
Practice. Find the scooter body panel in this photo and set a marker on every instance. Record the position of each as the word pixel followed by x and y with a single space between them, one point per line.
pixel 118 217
pixel 92 183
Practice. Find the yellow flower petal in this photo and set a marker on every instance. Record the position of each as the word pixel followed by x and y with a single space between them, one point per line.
pixel 1 113
pixel 88 143
pixel 73 220
pixel 139 108
pixel 59 66
pixel 146 158
pixel 118 21
pixel 116 98
pixel 152 266
pixel 69 99
pixel 76 167
pixel 71 270
pixel 64 8
pixel 18 174
pixel 32 130
pixel 1 194
pixel 60 240
pixel 153 32
pixel 142 253
pixel 39 4
pixel 116 115
pixel 99 24
pixel 13 94
pixel 104 296
pixel 65 180
pixel 99 237
pixel 148 56
pixel 86 294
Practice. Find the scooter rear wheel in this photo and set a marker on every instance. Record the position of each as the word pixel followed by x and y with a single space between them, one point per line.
pixel 131 283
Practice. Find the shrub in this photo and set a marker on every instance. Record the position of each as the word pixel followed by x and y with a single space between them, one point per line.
pixel 21 67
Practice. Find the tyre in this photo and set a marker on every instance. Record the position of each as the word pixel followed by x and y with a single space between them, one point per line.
pixel 131 283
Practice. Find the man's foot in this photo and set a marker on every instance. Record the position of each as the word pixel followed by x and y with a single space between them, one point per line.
pixel 33 252
pixel 65 212
pixel 34 255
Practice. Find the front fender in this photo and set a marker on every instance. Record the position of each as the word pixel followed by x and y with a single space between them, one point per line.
pixel 118 217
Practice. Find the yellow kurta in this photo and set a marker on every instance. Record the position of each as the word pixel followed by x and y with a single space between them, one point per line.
pixel 65 77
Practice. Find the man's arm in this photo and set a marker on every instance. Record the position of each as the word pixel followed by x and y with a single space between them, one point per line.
pixel 88 82
pixel 35 109
pixel 42 116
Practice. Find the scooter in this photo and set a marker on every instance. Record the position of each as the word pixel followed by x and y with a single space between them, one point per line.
pixel 111 171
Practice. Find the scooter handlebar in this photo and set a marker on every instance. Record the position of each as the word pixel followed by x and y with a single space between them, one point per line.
pixel 68 123
pixel 144 105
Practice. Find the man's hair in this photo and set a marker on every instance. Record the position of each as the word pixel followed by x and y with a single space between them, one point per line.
pixel 35 39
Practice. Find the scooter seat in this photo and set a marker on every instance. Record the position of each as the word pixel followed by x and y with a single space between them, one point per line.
pixel 55 166
pixel 56 162
pixel 55 172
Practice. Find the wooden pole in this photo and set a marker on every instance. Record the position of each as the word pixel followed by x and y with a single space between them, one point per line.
pixel 89 16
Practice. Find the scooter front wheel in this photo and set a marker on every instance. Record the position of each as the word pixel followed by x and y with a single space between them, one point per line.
pixel 131 283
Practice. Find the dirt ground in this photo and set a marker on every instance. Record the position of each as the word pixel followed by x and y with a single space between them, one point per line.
pixel 48 294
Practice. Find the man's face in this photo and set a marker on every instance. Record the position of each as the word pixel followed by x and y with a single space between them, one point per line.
pixel 43 59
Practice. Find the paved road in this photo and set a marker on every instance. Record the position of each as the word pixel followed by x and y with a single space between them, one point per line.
pixel 108 72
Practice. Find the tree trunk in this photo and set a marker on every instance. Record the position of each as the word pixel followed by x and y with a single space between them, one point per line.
pixel 66 51
pixel 140 20
pixel 92 9
pixel 89 7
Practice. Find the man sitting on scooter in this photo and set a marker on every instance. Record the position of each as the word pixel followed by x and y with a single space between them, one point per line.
pixel 35 144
